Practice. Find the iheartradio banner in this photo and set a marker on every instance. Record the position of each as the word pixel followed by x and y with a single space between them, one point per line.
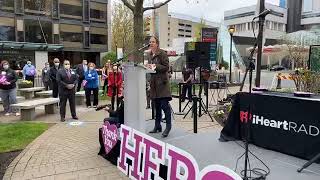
pixel 181 164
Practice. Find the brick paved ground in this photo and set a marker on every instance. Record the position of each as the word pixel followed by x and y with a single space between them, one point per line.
pixel 70 152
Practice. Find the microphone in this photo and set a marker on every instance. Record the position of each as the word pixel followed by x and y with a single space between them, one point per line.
pixel 264 13
pixel 144 46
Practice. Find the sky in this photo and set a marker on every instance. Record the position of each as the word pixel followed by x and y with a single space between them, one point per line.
pixel 211 10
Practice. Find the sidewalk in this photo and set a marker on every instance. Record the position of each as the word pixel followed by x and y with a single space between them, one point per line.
pixel 70 152
pixel 65 152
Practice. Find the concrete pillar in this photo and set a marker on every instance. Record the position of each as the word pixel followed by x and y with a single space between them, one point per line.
pixel 41 57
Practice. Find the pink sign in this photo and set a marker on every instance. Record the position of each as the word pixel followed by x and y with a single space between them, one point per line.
pixel 3 79
pixel 181 164
pixel 110 136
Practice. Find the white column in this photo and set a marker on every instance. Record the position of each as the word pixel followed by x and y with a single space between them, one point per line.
pixel 41 57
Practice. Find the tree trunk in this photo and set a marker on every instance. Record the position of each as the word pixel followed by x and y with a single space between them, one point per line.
pixel 138 33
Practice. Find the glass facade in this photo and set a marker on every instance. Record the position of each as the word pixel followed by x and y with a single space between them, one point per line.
pixel 33 31
pixel 39 28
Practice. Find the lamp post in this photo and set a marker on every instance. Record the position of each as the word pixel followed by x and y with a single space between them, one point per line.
pixel 231 31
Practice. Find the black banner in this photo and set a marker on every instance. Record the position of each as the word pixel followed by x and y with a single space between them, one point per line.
pixel 277 121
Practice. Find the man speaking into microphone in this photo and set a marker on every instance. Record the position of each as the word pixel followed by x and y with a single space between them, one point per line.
pixel 159 85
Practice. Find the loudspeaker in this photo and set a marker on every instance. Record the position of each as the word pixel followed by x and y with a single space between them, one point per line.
pixel 197 54
pixel 203 50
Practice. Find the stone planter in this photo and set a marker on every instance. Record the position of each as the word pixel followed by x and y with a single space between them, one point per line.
pixel 23 85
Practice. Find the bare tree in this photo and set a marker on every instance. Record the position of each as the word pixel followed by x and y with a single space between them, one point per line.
pixel 136 6
pixel 122 28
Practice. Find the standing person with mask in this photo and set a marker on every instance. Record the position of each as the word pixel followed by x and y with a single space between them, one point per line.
pixel 8 90
pixel 45 76
pixel 67 80
pixel 159 84
pixel 105 73
pixel 92 85
pixel 29 72
pixel 53 77
pixel 81 69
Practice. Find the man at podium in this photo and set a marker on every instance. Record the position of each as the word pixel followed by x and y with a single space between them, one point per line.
pixel 159 85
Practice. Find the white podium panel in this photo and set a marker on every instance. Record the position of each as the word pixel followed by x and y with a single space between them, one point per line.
pixel 135 96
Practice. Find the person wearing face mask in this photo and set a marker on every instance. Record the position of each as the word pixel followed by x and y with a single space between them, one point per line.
pixel 53 74
pixel 8 90
pixel 67 80
pixel 29 72
pixel 81 70
pixel 114 85
pixel 46 76
pixel 159 85
pixel 92 85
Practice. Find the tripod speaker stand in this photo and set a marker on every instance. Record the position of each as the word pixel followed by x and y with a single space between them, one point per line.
pixel 201 105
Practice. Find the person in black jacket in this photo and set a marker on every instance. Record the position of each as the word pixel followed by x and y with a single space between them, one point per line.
pixel 45 76
pixel 67 80
pixel 8 90
pixel 53 74
pixel 81 69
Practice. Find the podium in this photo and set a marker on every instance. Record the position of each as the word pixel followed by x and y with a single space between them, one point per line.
pixel 135 95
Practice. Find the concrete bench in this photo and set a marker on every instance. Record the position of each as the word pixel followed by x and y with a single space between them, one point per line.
pixel 28 107
pixel 28 93
pixel 44 94
pixel 19 99
pixel 81 95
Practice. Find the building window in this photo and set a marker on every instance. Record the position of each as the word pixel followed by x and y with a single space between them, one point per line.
pixel 307 5
pixel 34 33
pixel 73 11
pixel 180 24
pixel 98 12
pixel 98 36
pixel 180 35
pixel 19 7
pixel 86 9
pixel 20 30
pixel 188 25
pixel 7 5
pixel 98 39
pixel 181 30
pixel 188 36
pixel 7 33
pixel 249 26
pixel 71 33
pixel 188 31
pixel 268 24
pixel 71 36
pixel 55 8
pixel 86 34
pixel 37 6
pixel 56 32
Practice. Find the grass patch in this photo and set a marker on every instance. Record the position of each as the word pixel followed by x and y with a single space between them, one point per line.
pixel 16 136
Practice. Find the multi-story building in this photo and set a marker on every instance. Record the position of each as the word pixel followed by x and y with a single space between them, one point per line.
pixel 170 26
pixel 310 14
pixel 241 19
pixel 40 30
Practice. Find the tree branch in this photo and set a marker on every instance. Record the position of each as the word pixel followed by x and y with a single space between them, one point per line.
pixel 156 6
pixel 130 6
